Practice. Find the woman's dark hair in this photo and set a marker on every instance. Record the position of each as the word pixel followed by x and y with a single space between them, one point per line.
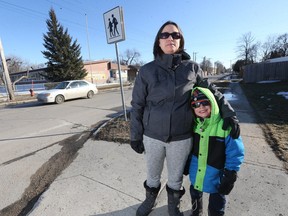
pixel 157 49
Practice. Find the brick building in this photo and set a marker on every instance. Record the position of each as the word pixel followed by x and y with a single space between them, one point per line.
pixel 98 72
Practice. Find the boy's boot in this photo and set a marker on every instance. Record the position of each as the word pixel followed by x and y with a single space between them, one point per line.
pixel 197 201
pixel 174 197
pixel 146 207
pixel 197 207
pixel 213 213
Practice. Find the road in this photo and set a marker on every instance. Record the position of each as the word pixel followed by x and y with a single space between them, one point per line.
pixel 31 133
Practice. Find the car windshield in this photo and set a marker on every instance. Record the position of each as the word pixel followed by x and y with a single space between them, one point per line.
pixel 62 85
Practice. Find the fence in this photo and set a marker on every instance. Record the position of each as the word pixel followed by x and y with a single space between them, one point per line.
pixel 265 71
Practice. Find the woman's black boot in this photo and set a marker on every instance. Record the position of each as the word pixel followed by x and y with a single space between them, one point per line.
pixel 146 207
pixel 174 197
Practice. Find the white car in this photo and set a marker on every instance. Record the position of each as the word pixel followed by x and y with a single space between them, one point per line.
pixel 67 90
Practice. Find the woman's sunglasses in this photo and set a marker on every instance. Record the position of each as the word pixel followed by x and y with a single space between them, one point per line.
pixel 174 35
pixel 197 104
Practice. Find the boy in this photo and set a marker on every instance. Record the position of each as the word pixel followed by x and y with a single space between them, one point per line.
pixel 216 156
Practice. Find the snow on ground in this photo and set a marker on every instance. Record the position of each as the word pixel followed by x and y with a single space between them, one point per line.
pixel 229 96
pixel 269 81
pixel 284 94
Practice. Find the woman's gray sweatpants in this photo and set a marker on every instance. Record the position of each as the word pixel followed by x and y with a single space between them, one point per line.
pixel 176 154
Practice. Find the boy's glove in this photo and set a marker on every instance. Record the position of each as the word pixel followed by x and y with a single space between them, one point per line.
pixel 234 124
pixel 137 146
pixel 227 181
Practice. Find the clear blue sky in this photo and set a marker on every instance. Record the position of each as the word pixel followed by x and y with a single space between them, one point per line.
pixel 211 28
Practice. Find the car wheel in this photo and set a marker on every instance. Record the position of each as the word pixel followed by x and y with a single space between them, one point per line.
pixel 59 99
pixel 90 94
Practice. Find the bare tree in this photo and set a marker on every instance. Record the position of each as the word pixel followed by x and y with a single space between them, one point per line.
pixel 219 67
pixel 15 64
pixel 267 47
pixel 253 54
pixel 282 45
pixel 275 47
pixel 140 63
pixel 130 57
pixel 206 66
pixel 247 49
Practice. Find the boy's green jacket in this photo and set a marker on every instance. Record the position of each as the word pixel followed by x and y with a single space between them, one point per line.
pixel 213 149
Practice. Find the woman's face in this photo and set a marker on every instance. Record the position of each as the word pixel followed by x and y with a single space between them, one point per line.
pixel 171 44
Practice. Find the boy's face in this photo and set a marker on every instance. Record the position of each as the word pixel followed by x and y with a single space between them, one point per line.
pixel 202 109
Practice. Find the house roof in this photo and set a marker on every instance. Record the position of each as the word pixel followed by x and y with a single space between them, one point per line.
pixel 134 67
pixel 114 66
pixel 96 62
pixel 281 59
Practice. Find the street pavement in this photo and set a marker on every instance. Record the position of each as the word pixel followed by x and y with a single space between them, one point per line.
pixel 106 179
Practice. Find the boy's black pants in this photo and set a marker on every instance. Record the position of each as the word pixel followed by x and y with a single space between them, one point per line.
pixel 216 206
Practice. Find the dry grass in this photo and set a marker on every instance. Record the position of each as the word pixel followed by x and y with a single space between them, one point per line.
pixel 272 112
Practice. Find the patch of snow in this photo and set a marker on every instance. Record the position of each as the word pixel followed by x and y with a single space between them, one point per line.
pixel 284 94
pixel 230 96
pixel 269 81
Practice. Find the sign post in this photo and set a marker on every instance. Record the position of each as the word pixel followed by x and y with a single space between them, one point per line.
pixel 114 27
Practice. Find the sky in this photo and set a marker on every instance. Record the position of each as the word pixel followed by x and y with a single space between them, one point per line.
pixel 211 28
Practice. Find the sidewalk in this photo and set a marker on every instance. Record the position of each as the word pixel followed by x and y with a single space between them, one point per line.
pixel 107 179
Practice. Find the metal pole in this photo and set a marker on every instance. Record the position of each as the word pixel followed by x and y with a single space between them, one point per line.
pixel 121 85
pixel 89 50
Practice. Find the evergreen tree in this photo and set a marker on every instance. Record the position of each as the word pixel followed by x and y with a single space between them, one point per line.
pixel 64 57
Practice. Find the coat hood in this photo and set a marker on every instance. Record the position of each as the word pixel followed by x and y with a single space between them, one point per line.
pixel 215 114
pixel 172 61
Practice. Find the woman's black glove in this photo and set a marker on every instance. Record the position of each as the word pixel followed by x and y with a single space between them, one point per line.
pixel 202 82
pixel 234 124
pixel 137 146
pixel 227 181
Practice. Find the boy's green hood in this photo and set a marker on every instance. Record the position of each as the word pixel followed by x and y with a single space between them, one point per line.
pixel 215 115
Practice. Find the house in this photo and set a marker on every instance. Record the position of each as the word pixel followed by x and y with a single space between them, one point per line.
pixel 105 71
pixel 28 76
pixel 132 72
pixel 98 72
pixel 280 59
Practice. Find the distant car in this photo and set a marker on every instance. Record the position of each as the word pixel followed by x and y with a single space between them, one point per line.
pixel 67 90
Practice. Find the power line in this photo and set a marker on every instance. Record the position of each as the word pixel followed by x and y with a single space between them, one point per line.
pixel 24 10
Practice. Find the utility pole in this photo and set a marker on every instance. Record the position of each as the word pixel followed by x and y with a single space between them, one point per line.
pixel 89 49
pixel 6 76
pixel 194 56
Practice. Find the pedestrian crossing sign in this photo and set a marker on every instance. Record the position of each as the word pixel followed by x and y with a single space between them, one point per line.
pixel 114 25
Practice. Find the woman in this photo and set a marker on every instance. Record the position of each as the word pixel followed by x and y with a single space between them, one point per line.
pixel 161 119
